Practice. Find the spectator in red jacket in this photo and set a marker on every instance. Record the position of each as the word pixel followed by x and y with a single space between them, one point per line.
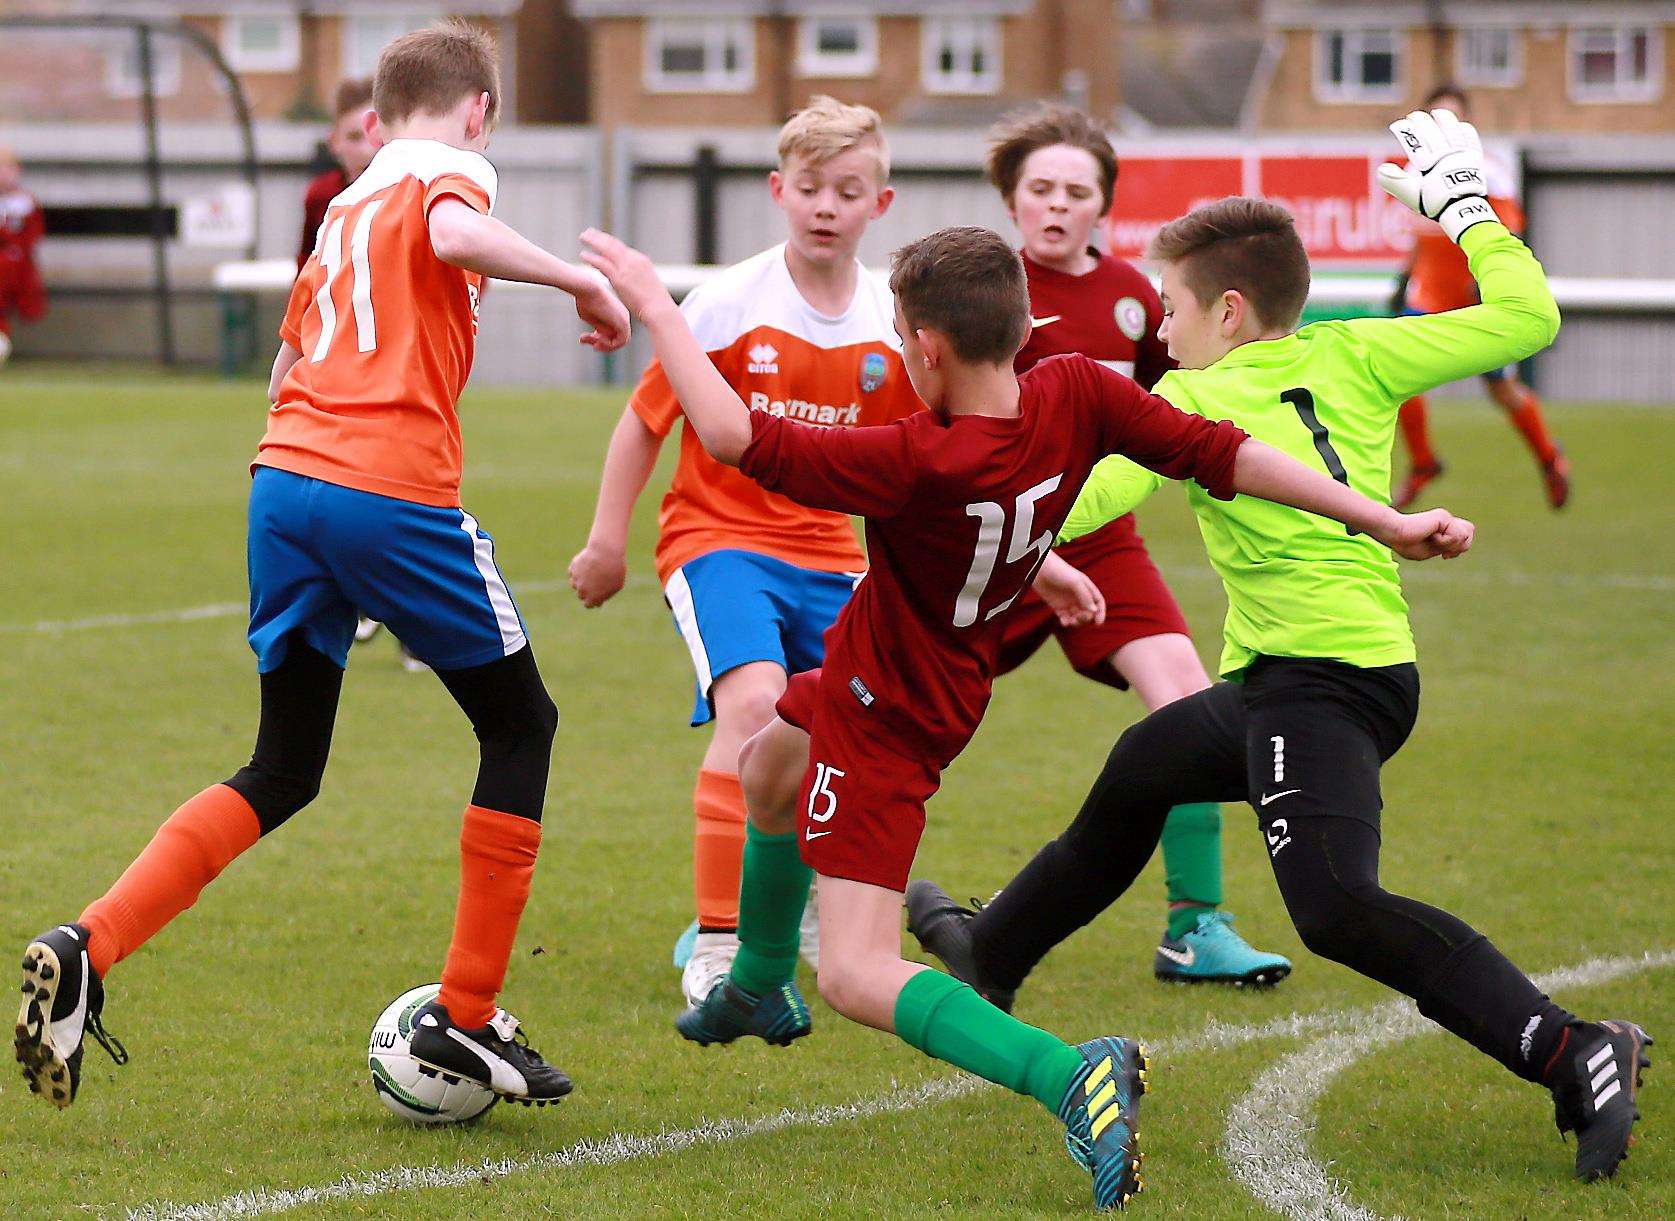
pixel 350 148
pixel 21 227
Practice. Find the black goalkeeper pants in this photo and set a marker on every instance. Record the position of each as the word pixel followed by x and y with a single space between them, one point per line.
pixel 1302 741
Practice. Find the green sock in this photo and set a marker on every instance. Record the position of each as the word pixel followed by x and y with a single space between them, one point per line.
pixel 1192 862
pixel 944 1018
pixel 772 892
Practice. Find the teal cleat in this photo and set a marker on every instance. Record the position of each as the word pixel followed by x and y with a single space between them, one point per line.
pixel 729 1013
pixel 1213 953
pixel 684 945
pixel 1101 1114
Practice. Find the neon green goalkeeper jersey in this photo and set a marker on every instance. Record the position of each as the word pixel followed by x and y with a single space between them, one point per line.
pixel 1300 585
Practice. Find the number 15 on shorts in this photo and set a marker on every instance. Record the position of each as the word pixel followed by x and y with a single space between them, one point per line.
pixel 822 802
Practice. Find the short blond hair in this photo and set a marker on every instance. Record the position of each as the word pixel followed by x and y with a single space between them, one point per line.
pixel 826 127
pixel 431 71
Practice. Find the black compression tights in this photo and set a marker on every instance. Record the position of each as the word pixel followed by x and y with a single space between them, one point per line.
pixel 509 709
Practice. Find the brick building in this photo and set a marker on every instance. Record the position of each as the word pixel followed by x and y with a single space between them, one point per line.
pixel 288 54
pixel 1586 66
pixel 732 62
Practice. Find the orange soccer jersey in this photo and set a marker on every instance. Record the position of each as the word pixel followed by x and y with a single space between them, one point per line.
pixel 386 330
pixel 785 359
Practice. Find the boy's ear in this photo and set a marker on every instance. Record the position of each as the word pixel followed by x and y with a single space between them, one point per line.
pixel 476 122
pixel 1234 308
pixel 886 196
pixel 374 128
pixel 776 186
pixel 932 345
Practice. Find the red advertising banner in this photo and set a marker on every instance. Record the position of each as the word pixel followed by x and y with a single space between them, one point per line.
pixel 1344 219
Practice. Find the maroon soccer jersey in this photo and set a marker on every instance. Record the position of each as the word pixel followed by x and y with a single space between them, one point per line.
pixel 1111 314
pixel 960 511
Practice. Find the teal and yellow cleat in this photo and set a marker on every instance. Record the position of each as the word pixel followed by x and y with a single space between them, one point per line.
pixel 1101 1114
pixel 729 1012
pixel 1213 953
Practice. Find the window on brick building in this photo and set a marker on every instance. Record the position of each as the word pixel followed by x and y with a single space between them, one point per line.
pixel 837 46
pixel 1358 65
pixel 1489 56
pixel 1615 63
pixel 689 56
pixel 961 54
pixel 261 42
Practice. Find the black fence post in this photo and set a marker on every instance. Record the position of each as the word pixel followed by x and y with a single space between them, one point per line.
pixel 706 190
pixel 154 180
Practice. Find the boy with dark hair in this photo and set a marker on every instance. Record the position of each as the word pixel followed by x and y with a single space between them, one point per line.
pixel 354 502
pixel 1057 172
pixel 351 147
pixel 1318 648
pixel 961 505
pixel 1437 279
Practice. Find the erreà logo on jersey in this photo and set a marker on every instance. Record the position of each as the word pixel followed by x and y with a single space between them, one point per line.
pixel 873 371
pixel 764 358
pixel 807 412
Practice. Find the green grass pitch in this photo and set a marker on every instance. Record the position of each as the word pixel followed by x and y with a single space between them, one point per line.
pixel 1534 800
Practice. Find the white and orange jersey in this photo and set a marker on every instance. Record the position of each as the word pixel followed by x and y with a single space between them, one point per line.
pixel 786 359
pixel 387 332
pixel 1439 279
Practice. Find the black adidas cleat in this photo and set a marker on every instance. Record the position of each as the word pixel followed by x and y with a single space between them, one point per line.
pixel 1594 1084
pixel 497 1056
pixel 778 1018
pixel 62 1000
pixel 943 928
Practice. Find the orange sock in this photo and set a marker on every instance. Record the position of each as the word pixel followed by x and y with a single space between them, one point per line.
pixel 195 844
pixel 497 863
pixel 1416 431
pixel 1527 419
pixel 718 848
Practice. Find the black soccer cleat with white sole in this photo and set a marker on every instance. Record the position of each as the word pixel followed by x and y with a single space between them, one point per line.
pixel 943 927
pixel 497 1056
pixel 1595 1081
pixel 63 998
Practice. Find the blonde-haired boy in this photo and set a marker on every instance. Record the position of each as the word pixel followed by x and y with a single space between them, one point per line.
pixel 753 579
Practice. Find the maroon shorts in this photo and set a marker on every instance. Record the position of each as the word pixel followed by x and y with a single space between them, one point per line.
pixel 861 810
pixel 1137 604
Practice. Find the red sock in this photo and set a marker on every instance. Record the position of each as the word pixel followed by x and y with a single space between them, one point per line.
pixel 718 848
pixel 497 863
pixel 1527 419
pixel 194 845
pixel 1416 431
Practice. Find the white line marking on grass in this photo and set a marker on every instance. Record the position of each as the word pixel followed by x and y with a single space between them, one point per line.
pixel 610 1150
pixel 1268 1129
pixel 1630 582
pixel 607 1151
pixel 185 614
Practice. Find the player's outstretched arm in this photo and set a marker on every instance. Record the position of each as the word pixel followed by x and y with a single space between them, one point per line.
pixel 282 362
pixel 1261 470
pixel 715 411
pixel 1444 181
pixel 1116 486
pixel 599 570
pixel 469 239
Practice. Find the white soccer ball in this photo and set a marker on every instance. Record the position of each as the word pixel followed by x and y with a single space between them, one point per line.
pixel 411 1092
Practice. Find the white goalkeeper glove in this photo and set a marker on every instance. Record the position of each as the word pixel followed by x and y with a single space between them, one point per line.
pixel 1443 179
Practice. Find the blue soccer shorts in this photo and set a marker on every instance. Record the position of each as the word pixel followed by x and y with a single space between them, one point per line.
pixel 734 607
pixel 319 554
